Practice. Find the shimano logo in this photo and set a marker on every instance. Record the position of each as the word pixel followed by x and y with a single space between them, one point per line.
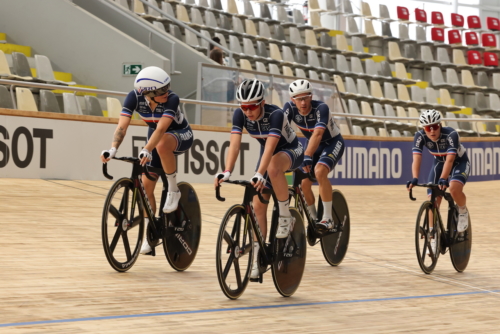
pixel 484 161
pixel 373 163
pixel 184 243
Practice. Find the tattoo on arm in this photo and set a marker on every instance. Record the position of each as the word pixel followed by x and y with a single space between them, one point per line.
pixel 118 137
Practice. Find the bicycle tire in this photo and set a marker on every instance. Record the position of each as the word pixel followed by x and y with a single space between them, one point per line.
pixel 422 232
pixel 234 242
pixel 117 221
pixel 182 230
pixel 334 245
pixel 288 266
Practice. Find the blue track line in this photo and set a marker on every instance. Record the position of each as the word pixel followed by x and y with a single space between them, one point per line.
pixel 46 322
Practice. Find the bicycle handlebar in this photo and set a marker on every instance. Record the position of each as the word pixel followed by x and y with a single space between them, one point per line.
pixel 242 183
pixel 132 160
pixel 427 185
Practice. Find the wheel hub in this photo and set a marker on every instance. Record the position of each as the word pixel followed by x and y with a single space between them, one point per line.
pixel 125 224
pixel 237 252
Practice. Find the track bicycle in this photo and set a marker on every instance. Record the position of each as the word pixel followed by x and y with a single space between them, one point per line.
pixel 430 226
pixel 123 221
pixel 285 257
pixel 334 242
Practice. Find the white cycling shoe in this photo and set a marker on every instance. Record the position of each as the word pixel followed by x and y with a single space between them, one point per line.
pixel 172 201
pixel 255 270
pixel 145 248
pixel 285 225
pixel 463 221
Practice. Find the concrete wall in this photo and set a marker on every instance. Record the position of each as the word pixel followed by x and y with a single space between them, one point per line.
pixel 76 41
pixel 185 58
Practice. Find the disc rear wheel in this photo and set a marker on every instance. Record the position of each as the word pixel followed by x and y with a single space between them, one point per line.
pixel 461 244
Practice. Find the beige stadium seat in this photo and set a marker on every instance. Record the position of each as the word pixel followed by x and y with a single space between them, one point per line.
pixel 343 46
pixel 25 99
pixel 71 104
pixel 382 132
pixel 356 129
pixel 312 41
pixel 395 53
pixel 315 22
pixel 245 65
pixel 371 131
pixel 459 60
pixel 403 75
pixel 114 107
pixel 44 71
pixel 287 71
pixel 468 80
pixel 370 33
pixel 344 129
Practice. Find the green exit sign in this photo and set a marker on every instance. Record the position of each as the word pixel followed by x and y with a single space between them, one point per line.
pixel 131 69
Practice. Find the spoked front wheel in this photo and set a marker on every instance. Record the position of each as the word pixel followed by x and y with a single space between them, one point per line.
pixel 183 229
pixel 234 252
pixel 122 225
pixel 289 257
pixel 460 245
pixel 334 244
pixel 427 255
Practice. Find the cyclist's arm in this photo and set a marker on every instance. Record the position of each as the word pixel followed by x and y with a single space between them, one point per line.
pixel 415 167
pixel 314 141
pixel 234 151
pixel 448 165
pixel 121 131
pixel 265 160
pixel 161 128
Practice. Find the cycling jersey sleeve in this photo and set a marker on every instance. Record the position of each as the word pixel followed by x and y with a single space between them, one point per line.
pixel 130 104
pixel 453 143
pixel 276 120
pixel 322 116
pixel 287 109
pixel 238 122
pixel 418 143
pixel 171 107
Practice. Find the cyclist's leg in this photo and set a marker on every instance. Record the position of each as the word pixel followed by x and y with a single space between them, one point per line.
pixel 459 175
pixel 173 143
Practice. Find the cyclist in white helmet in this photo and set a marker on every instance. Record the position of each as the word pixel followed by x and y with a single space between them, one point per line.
pixel 451 166
pixel 280 152
pixel 325 145
pixel 169 133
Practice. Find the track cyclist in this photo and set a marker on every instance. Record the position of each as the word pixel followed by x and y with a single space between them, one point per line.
pixel 169 133
pixel 451 166
pixel 325 145
pixel 280 152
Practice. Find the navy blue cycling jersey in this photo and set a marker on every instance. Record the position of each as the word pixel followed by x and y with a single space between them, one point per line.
pixel 447 143
pixel 138 102
pixel 318 117
pixel 272 123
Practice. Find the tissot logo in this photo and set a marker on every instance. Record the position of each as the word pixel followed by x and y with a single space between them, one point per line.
pixel 9 146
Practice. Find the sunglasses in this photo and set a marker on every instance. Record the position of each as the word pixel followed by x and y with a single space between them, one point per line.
pixel 433 127
pixel 302 98
pixel 157 92
pixel 250 107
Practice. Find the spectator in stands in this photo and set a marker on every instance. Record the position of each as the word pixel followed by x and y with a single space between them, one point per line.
pixel 216 53
pixel 169 133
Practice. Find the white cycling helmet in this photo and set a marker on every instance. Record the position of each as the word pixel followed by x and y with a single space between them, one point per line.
pixel 151 78
pixel 250 90
pixel 300 86
pixel 429 117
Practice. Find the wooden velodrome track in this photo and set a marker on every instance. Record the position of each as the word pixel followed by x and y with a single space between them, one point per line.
pixel 54 276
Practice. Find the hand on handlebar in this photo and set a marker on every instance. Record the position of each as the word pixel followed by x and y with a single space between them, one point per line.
pixel 258 182
pixel 221 177
pixel 443 184
pixel 412 183
pixel 307 163
pixel 107 155
pixel 145 156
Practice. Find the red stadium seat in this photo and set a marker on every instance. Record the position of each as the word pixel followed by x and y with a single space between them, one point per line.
pixel 489 40
pixel 403 13
pixel 493 23
pixel 490 59
pixel 420 15
pixel 457 20
pixel 471 38
pixel 454 37
pixel 474 22
pixel 437 34
pixel 437 18
pixel 474 57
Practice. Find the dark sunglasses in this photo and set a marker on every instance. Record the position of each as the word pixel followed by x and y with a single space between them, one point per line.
pixel 157 92
pixel 429 128
pixel 250 107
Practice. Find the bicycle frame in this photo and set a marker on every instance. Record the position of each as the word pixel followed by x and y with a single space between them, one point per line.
pixel 298 193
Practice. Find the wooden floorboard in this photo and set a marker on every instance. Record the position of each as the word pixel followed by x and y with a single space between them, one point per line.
pixel 53 268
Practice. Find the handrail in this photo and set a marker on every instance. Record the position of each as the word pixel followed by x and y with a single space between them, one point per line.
pixel 185 26
pixel 14 83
